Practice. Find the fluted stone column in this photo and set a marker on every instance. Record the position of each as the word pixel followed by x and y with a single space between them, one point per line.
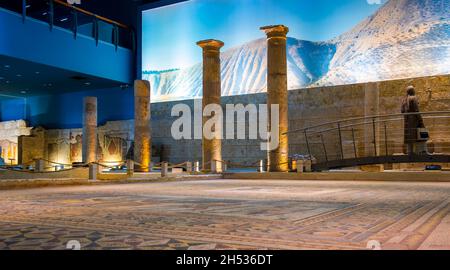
pixel 277 92
pixel 142 129
pixel 89 130
pixel 212 149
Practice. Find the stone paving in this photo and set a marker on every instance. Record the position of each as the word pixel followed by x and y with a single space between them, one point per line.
pixel 229 214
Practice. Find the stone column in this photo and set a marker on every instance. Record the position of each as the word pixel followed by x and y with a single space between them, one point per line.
pixel 189 167
pixel 196 166
pixel 130 167
pixel 164 169
pixel 277 92
pixel 212 149
pixel 93 171
pixel 39 165
pixel 142 129
pixel 89 130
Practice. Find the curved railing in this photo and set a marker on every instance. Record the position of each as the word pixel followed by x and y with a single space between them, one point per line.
pixel 58 13
pixel 371 140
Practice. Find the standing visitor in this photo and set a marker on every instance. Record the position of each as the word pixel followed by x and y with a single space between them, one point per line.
pixel 413 122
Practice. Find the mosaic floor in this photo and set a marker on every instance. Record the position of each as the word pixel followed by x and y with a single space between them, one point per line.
pixel 229 214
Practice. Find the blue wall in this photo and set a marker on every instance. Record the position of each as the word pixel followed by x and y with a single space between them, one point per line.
pixel 12 109
pixel 66 110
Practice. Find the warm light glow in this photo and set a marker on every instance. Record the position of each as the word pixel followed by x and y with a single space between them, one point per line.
pixel 112 163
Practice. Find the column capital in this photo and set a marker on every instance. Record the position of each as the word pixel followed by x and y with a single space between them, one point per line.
pixel 90 99
pixel 275 30
pixel 210 44
pixel 90 107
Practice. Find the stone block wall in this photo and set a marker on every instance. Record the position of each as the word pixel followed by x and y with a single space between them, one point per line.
pixel 31 147
pixel 307 107
pixel 114 141
pixel 433 94
pixel 313 106
pixel 9 135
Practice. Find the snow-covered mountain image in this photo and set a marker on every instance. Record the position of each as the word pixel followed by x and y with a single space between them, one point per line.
pixel 403 39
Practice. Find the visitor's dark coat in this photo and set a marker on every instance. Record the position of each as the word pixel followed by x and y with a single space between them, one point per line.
pixel 412 122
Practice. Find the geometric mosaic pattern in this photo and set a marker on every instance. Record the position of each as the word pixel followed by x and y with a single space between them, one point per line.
pixel 228 214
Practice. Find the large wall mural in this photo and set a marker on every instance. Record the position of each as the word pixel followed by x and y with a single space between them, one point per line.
pixel 8 152
pixel 330 42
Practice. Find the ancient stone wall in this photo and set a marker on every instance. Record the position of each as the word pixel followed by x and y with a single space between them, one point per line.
pixel 307 107
pixel 31 147
pixel 433 94
pixel 9 134
pixel 114 142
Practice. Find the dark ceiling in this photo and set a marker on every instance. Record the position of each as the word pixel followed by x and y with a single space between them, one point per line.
pixel 20 78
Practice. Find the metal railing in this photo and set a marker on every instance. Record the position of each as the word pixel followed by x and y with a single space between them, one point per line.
pixel 58 13
pixel 362 138
pixel 42 165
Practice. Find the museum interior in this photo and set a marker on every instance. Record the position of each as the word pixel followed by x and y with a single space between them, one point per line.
pixel 142 90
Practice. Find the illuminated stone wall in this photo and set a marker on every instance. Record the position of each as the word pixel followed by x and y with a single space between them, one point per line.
pixel 114 142
pixel 306 107
pixel 9 134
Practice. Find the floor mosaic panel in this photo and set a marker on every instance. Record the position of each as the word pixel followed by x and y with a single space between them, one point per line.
pixel 229 214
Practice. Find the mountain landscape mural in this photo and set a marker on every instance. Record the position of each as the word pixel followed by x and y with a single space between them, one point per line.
pixel 403 39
